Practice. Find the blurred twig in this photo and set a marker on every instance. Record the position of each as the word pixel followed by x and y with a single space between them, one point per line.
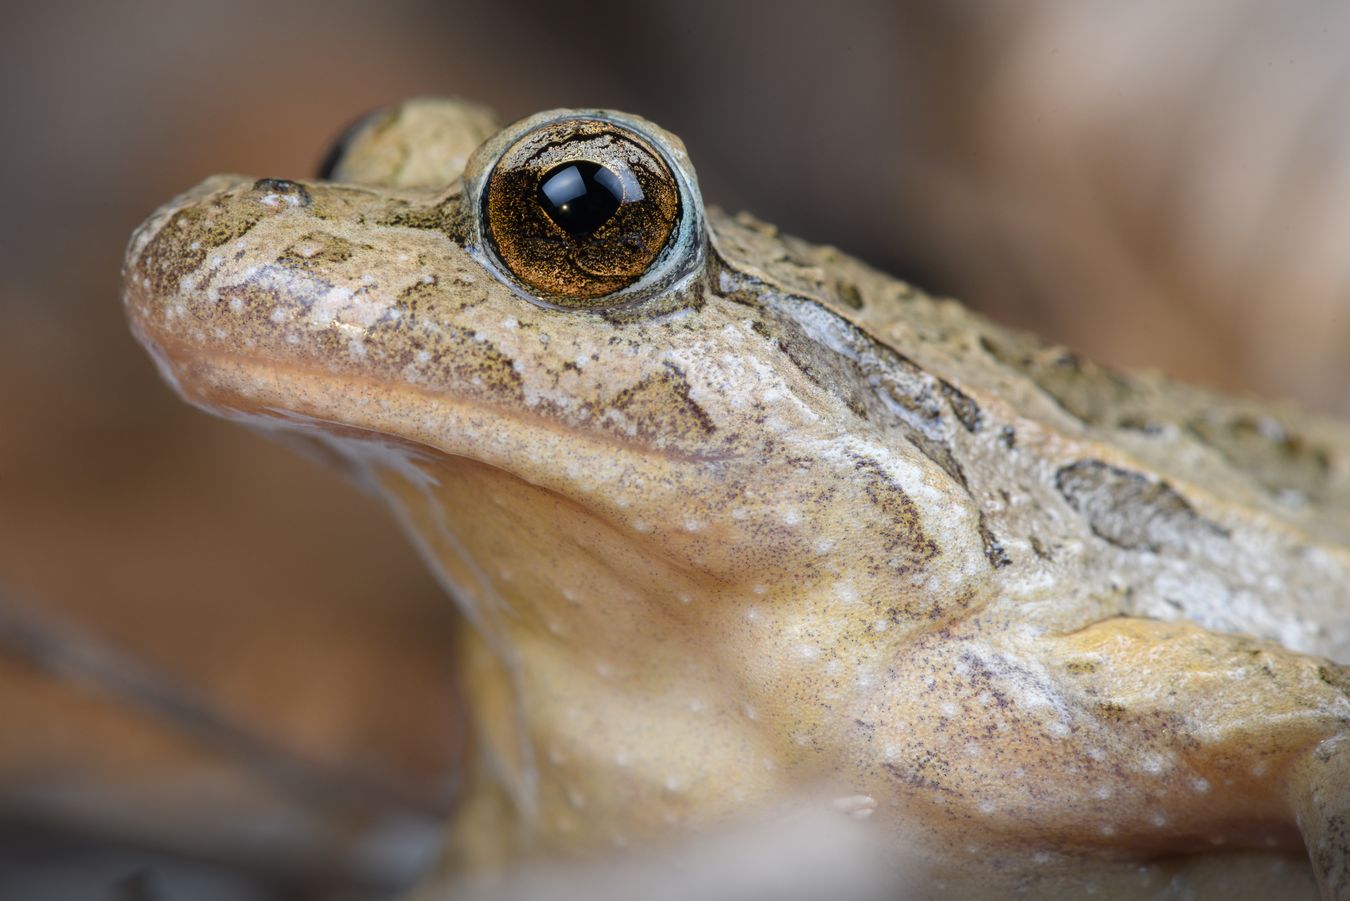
pixel 71 655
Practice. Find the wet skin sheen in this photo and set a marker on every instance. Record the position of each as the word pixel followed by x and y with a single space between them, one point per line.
pixel 762 521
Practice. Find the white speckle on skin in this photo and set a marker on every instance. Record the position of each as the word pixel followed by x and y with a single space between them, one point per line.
pixel 691 525
pixel 422 356
pixel 640 525
pixel 750 712
pixel 1096 754
pixel 279 315
pixel 1158 819
pixel 739 513
pixel 987 807
pixel 236 305
pixel 824 546
pixel 880 625
pixel 1259 770
pixel 581 361
pixel 973 749
pixel 671 784
pixel 948 709
pixel 1058 728
pixel 623 760
pixel 1102 792
pixel 808 651
pixel 834 668
pixel 759 589
pixel 426 279
pixel 791 517
pixel 1108 830
pixel 697 706
pixel 846 593
pixel 753 614
pixel 1153 764
pixel 1200 785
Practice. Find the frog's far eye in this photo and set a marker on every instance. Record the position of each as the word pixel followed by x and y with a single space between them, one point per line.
pixel 579 209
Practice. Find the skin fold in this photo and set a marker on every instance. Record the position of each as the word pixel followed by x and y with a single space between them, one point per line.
pixel 773 527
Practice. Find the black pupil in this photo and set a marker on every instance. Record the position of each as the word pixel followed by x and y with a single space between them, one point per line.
pixel 580 196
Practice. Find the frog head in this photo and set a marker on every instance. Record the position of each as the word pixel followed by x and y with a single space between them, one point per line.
pixel 560 315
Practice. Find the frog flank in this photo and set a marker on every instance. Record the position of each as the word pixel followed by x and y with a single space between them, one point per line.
pixel 733 518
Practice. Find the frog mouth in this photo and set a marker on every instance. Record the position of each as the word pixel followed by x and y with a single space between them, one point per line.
pixel 418 425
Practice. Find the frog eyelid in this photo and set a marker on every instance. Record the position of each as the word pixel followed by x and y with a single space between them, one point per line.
pixel 681 260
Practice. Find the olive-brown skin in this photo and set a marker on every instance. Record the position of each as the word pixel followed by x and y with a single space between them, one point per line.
pixel 792 524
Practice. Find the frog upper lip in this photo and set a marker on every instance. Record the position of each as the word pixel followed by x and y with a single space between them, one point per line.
pixel 229 373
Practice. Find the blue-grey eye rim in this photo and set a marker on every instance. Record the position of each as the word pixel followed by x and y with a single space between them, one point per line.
pixel 632 180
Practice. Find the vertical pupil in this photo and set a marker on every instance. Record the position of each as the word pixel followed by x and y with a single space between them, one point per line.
pixel 580 196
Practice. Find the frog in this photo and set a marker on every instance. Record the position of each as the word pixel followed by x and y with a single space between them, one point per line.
pixel 733 519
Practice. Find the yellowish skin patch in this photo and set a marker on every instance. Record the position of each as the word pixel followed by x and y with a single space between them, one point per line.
pixel 789 525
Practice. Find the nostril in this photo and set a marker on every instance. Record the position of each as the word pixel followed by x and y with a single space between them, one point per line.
pixel 277 192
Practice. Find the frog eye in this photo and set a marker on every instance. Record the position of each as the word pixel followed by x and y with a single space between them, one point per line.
pixel 580 208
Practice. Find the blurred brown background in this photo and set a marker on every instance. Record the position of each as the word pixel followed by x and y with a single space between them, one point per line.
pixel 222 675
